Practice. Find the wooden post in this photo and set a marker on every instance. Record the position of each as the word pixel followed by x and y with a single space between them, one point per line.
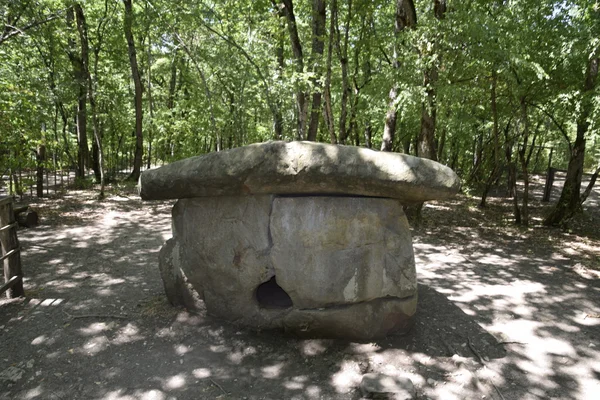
pixel 11 254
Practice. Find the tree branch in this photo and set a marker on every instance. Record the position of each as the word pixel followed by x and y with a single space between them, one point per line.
pixel 14 31
pixel 558 125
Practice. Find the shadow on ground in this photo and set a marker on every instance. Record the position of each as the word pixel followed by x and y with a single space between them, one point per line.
pixel 504 313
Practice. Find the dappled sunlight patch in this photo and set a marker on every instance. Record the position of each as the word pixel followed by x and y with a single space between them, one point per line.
pixel 218 348
pixel 313 392
pixel 364 348
pixel 128 334
pixel 181 349
pixel 586 273
pixel 175 382
pixel 237 356
pixel 312 347
pixel 121 394
pixel 97 327
pixel 296 382
pixel 94 345
pixel 60 285
pixel 348 376
pixel 42 339
pixel 272 371
pixel 34 393
pixel 105 292
pixel 201 373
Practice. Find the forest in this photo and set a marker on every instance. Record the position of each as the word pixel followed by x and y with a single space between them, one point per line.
pixel 93 93
pixel 497 90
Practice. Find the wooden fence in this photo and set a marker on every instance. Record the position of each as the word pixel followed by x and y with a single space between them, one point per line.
pixel 11 252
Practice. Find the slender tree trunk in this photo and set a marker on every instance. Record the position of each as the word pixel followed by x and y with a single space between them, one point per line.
pixel 96 147
pixel 170 106
pixel 318 15
pixel 139 139
pixel 327 108
pixel 287 9
pixel 590 185
pixel 496 168
pixel 354 91
pixel 406 17
pixel 80 77
pixel 513 181
pixel 368 135
pixel 389 128
pixel 342 50
pixel 40 157
pixel 426 139
pixel 570 197
pixel 524 160
pixel 150 105
pixel 278 118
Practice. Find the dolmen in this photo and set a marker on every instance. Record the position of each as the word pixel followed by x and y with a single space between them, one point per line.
pixel 304 236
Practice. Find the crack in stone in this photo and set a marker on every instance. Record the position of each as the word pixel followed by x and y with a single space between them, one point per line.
pixel 348 305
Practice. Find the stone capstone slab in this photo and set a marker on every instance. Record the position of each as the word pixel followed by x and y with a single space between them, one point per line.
pixel 301 168
pixel 313 265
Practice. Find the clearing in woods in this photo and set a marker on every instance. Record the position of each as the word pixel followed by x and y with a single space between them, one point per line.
pixel 504 313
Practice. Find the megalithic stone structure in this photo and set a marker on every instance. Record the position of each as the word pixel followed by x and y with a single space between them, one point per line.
pixel 304 236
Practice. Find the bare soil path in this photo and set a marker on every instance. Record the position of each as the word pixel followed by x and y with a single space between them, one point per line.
pixel 504 313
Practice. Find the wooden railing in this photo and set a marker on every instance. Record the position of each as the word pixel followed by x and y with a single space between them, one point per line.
pixel 11 252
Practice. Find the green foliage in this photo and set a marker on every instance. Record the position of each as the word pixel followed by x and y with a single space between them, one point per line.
pixel 212 77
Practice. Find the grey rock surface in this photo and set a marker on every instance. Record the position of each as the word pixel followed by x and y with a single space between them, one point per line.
pixel 301 168
pixel 341 250
pixel 381 386
pixel 224 250
pixel 335 266
pixel 360 321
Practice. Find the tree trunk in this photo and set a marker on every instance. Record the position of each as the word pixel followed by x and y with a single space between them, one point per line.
pixel 150 106
pixel 426 139
pixel 277 117
pixel 77 63
pixel 139 141
pixel 287 9
pixel 524 161
pixel 570 197
pixel 356 88
pixel 327 108
pixel 40 157
pixel 389 128
pixel 406 17
pixel 513 181
pixel 170 105
pixel 496 168
pixel 97 156
pixel 342 50
pixel 368 135
pixel 590 185
pixel 318 28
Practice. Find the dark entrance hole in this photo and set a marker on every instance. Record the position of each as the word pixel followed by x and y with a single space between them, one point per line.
pixel 271 295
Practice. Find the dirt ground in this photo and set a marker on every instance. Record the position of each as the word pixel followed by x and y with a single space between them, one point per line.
pixel 504 313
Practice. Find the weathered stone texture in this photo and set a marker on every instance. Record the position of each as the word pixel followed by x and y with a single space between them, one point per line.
pixel 361 321
pixel 301 168
pixel 341 250
pixel 347 263
pixel 224 246
pixel 305 236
